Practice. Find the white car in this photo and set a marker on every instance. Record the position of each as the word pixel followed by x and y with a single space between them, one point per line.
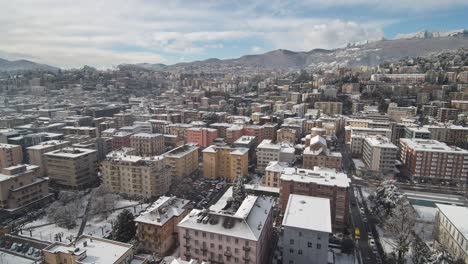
pixel 372 242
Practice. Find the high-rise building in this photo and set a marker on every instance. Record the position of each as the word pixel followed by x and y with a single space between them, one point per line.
pixel 10 155
pixel 74 168
pixel 204 137
pixel 379 154
pixel 268 152
pixel 146 144
pixel 318 154
pixel 37 153
pixel 225 162
pixel 183 160
pixel 431 160
pixel 136 175
pixel 330 108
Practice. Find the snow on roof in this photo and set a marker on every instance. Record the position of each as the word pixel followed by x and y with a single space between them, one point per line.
pixel 276 166
pixel 457 215
pixel 48 144
pixel 321 176
pixel 247 222
pixel 267 144
pixel 146 135
pixel 431 145
pixel 97 250
pixel 162 210
pixel 380 142
pixel 318 139
pixel 70 152
pixel 300 208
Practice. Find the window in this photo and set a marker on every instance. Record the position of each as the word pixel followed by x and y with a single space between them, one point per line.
pixel 300 234
pixel 236 241
pixel 319 246
pixel 291 250
pixel 211 245
pixel 236 260
pixel 291 241
pixel 220 247
pixel 299 252
pixel 309 244
pixel 204 234
pixel 319 237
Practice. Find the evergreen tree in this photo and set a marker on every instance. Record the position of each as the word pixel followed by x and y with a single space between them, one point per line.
pixel 124 228
pixel 238 192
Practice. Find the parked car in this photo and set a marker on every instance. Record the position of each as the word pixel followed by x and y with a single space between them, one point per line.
pixel 372 243
pixel 31 251
pixel 8 244
pixel 25 249
pixel 19 248
pixel 37 253
pixel 14 247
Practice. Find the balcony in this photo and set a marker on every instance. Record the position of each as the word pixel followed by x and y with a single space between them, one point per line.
pixel 187 246
pixel 246 258
pixel 186 236
pixel 246 248
pixel 228 253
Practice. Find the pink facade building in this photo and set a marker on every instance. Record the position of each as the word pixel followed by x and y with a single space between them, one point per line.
pixel 225 233
pixel 204 137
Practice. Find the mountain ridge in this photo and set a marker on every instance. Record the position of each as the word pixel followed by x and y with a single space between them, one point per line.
pixel 24 65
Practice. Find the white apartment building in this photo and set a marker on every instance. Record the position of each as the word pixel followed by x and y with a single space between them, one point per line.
pixel 268 151
pixel 452 229
pixel 305 238
pixel 379 154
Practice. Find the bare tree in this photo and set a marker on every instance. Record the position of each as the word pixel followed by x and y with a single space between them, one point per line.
pixel 399 226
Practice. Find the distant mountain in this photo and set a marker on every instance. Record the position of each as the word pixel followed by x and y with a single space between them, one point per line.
pixel 24 65
pixel 368 54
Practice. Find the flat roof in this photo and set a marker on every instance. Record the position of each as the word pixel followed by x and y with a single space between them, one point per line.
pixel 98 250
pixel 457 215
pixel 300 208
pixel 70 152
pixel 321 176
pixel 431 145
pixel 380 142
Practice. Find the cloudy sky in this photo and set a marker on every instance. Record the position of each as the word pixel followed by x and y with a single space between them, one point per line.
pixel 105 33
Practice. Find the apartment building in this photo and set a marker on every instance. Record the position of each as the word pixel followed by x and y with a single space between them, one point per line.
pixel 20 186
pixel 135 175
pixel 157 227
pixel 183 160
pixel 121 140
pixel 10 155
pixel 329 108
pixel 446 114
pixel 203 137
pixel 37 157
pixel 248 142
pixel 286 135
pixel 147 144
pixel 225 162
pixel 74 168
pixel 124 119
pixel 305 238
pixel 318 154
pixel 417 132
pixel 80 130
pixel 273 173
pixel 228 234
pixel 365 131
pixel 434 161
pixel 451 229
pixel 450 134
pixel 89 249
pixel 269 131
pixel 379 154
pixel 268 152
pixel 319 182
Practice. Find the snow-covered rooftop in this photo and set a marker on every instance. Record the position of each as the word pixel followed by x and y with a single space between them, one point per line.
pixel 322 176
pixel 300 208
pixel 70 152
pixel 431 145
pixel 457 215
pixel 162 210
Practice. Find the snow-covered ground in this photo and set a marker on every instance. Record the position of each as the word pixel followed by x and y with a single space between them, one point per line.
pixel 425 213
pixel 6 258
pixel 341 258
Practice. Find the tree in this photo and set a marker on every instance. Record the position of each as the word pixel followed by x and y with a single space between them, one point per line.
pixel 385 199
pixel 124 228
pixel 210 118
pixel 103 201
pixel 399 226
pixel 238 192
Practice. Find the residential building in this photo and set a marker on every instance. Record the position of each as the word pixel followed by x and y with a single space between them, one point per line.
pixel 268 151
pixel 329 108
pixel 147 144
pixel 417 132
pixel 286 135
pixel 136 175
pixel 20 186
pixel 204 137
pixel 451 230
pixel 157 227
pixel 226 233
pixel 273 173
pixel 431 160
pixel 183 160
pixel 318 154
pixel 365 131
pixel 225 162
pixel 248 142
pixel 121 140
pixel 37 157
pixel 74 168
pixel 305 238
pixel 379 154
pixel 10 155
pixel 446 114
pixel 319 182
pixel 89 249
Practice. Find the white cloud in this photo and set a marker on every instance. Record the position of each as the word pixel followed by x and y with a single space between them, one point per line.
pixel 106 32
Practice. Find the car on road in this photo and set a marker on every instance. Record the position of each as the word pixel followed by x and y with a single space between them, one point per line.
pixel 31 251
pixel 25 249
pixel 19 248
pixel 14 247
pixel 37 253
pixel 362 211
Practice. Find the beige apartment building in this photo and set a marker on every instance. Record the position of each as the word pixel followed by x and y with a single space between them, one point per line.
pixel 183 160
pixel 10 155
pixel 147 144
pixel 20 186
pixel 379 154
pixel 157 226
pixel 329 108
pixel 225 162
pixel 318 154
pixel 273 173
pixel 74 168
pixel 37 157
pixel 136 175
pixel 286 135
